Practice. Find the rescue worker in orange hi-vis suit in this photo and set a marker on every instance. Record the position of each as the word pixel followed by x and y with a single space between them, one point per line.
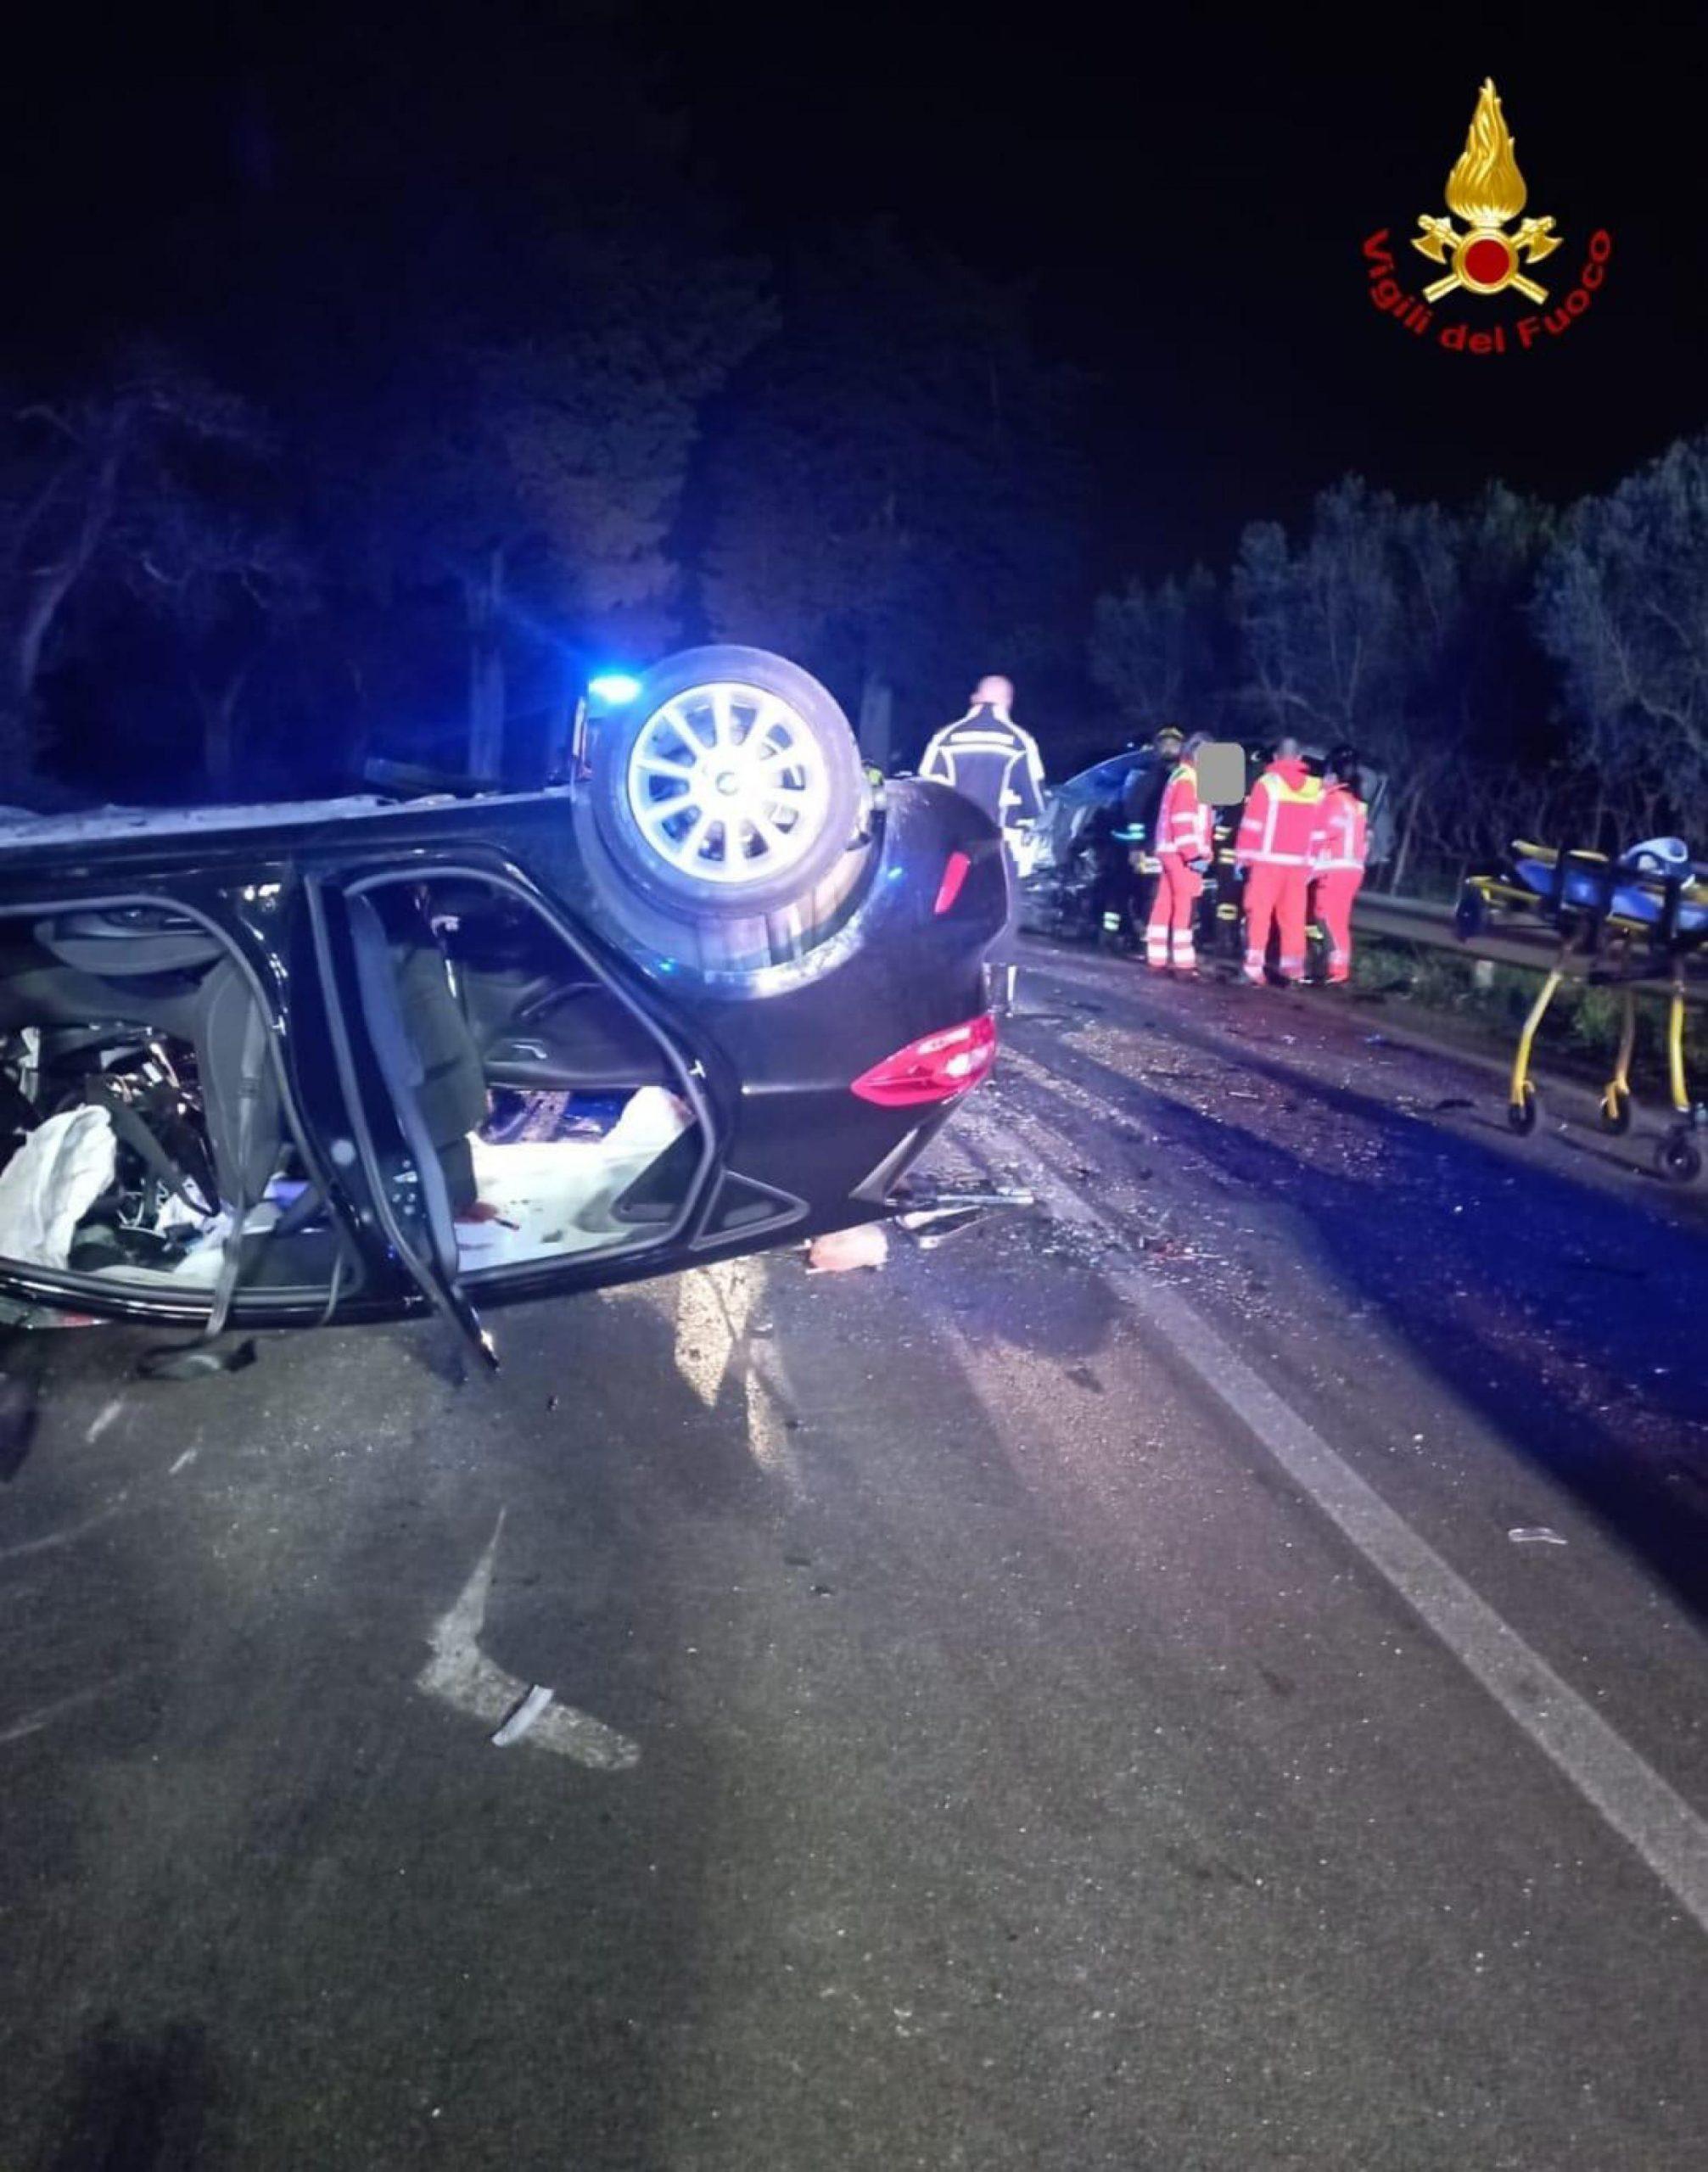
pixel 1337 865
pixel 1182 848
pixel 1276 845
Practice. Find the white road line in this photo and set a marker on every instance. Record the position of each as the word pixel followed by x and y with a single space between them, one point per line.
pixel 105 1420
pixel 461 1674
pixel 1630 1794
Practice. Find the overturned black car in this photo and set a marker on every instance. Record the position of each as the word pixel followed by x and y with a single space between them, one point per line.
pixel 278 1065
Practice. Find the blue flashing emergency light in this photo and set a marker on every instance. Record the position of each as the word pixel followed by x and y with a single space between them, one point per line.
pixel 616 688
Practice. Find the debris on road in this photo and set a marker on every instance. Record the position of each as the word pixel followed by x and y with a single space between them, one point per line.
pixel 931 1218
pixel 1535 1535
pixel 460 1674
pixel 930 1240
pixel 842 1251
pixel 940 1205
pixel 526 1713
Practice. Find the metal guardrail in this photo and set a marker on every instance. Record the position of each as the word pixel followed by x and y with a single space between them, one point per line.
pixel 1425 921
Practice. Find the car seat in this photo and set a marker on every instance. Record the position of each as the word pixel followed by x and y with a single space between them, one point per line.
pixel 450 1088
pixel 147 970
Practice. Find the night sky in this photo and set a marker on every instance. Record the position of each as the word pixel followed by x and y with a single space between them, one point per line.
pixel 1185 205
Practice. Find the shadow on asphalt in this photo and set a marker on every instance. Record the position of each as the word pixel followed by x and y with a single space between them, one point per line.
pixel 133 2105
pixel 270 1844
pixel 1565 1269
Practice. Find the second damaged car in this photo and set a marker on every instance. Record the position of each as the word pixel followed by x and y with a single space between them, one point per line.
pixel 345 1060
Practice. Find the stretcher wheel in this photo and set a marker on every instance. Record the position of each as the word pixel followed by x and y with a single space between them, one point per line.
pixel 1679 1156
pixel 1521 1116
pixel 1616 1109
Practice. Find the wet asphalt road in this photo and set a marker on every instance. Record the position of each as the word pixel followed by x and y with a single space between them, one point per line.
pixel 976 1744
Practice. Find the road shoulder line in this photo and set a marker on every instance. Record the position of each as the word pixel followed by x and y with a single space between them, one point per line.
pixel 1641 1806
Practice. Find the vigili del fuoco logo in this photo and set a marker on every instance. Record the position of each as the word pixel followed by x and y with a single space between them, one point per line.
pixel 1485 255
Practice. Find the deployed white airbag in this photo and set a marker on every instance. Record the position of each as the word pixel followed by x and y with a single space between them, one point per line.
pixel 51 1183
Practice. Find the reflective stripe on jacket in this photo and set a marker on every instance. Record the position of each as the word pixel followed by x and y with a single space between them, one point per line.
pixel 988 759
pixel 1278 828
pixel 1182 820
pixel 1343 831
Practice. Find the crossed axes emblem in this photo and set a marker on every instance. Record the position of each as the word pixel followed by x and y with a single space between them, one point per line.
pixel 1484 259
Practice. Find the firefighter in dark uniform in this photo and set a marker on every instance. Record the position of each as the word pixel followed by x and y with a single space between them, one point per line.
pixel 986 757
pixel 1133 890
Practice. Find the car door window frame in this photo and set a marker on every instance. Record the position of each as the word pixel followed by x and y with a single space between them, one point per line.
pixel 536 1277
pixel 162 1301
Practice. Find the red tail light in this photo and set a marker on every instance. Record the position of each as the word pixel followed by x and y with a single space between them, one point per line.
pixel 934 1069
pixel 953 875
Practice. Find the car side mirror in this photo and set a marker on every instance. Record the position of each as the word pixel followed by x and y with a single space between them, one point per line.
pixel 1222 773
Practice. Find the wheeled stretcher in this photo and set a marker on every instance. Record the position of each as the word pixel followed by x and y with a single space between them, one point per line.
pixel 1638 922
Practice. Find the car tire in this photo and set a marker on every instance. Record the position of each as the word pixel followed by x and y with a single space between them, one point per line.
pixel 729 789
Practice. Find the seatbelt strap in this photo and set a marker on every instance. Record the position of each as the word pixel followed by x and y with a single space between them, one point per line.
pixel 188 1361
pixel 128 1125
pixel 194 1358
pixel 231 1270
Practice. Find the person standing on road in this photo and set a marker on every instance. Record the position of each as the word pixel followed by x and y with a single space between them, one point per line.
pixel 1274 847
pixel 1141 800
pixel 1182 836
pixel 1141 789
pixel 1337 866
pixel 988 759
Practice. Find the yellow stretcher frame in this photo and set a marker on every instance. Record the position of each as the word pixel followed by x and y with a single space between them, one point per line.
pixel 1605 948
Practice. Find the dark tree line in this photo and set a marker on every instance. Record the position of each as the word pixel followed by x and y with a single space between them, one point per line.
pixel 401 491
pixel 408 434
pixel 1516 670
pixel 897 492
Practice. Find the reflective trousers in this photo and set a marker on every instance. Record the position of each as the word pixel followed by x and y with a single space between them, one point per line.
pixel 1333 892
pixel 1168 933
pixel 1275 899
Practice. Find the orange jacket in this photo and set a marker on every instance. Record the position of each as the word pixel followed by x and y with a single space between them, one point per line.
pixel 1182 820
pixel 1343 831
pixel 1278 827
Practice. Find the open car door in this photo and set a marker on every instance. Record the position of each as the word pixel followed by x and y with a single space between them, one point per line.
pixel 382 1077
